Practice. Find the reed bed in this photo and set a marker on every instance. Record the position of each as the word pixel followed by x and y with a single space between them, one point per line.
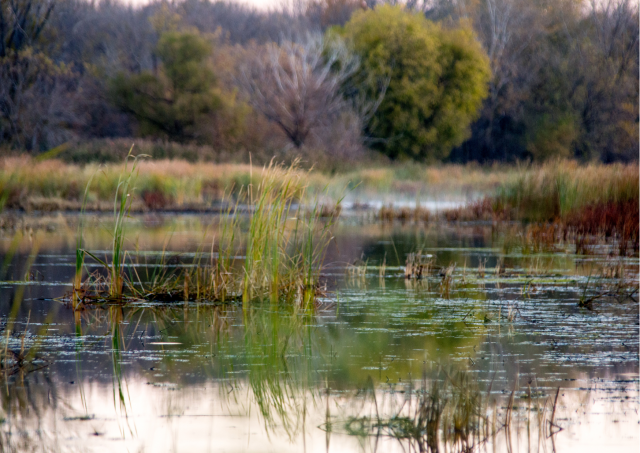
pixel 177 184
pixel 560 202
pixel 560 189
pixel 271 249
pixel 587 204
pixel 418 265
pixel 29 184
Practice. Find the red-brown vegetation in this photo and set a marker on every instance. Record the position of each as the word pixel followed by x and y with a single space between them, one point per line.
pixel 613 220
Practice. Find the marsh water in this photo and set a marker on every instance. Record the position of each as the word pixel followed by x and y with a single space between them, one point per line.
pixel 152 376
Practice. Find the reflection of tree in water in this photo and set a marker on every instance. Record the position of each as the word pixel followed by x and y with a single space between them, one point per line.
pixel 26 399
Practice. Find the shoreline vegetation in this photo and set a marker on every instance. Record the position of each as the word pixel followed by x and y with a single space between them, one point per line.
pixel 530 192
pixel 560 200
pixel 32 184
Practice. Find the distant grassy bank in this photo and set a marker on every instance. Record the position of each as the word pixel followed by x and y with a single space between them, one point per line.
pixel 549 192
pixel 53 185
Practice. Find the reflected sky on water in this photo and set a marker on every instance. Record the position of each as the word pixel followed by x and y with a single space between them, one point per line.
pixel 203 377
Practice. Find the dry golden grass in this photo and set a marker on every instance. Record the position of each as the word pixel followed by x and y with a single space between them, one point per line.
pixel 173 184
pixel 53 185
pixel 535 192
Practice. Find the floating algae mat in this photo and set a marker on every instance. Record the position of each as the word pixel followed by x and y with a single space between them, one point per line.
pixel 482 348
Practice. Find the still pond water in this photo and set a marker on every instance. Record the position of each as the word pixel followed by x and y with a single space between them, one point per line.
pixel 355 373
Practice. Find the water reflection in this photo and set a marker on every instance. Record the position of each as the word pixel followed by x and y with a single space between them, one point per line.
pixel 46 416
pixel 381 364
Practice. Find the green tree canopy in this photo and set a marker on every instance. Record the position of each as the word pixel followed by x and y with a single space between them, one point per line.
pixel 177 98
pixel 437 80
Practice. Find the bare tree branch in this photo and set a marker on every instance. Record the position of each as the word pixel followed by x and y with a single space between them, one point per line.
pixel 297 85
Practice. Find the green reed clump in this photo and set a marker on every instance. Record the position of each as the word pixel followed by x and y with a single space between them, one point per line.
pixel 80 253
pixel 268 244
pixel 121 210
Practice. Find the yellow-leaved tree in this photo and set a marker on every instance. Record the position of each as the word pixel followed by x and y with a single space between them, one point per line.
pixel 437 80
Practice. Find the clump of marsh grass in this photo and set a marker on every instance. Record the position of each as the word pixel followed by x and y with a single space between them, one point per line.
pixel 589 204
pixel 482 267
pixel 389 213
pixel 357 270
pixel 557 189
pixel 447 283
pixel 418 265
pixel 610 282
pixel 285 245
pixel 121 209
pixel 588 201
pixel 273 251
pixel 618 220
pixel 542 238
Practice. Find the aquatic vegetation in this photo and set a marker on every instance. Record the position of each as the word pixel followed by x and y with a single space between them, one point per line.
pixel 610 282
pixel 80 253
pixel 586 201
pixel 121 210
pixel 357 270
pixel 16 356
pixel 388 213
pixel 614 219
pixel 557 189
pixel 287 368
pixel 447 282
pixel 281 250
pixel 482 267
pixel 382 269
pixel 418 265
pixel 560 201
pixel 484 209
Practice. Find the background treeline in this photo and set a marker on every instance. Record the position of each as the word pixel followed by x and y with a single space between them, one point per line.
pixel 457 80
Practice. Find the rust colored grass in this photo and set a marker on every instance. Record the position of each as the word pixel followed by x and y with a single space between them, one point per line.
pixel 613 220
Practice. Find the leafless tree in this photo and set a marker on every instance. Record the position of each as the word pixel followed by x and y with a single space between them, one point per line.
pixel 22 22
pixel 32 101
pixel 297 85
pixel 616 27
